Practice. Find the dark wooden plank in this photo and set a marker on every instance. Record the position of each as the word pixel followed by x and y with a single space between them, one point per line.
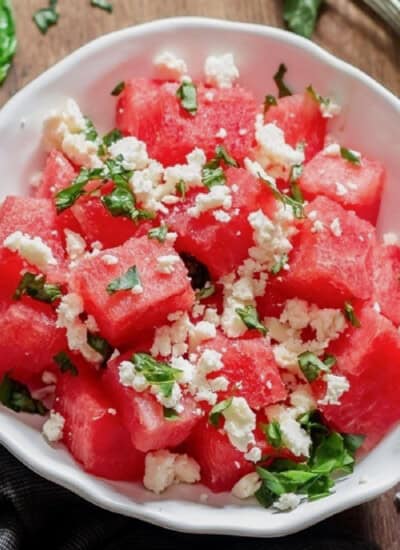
pixel 346 28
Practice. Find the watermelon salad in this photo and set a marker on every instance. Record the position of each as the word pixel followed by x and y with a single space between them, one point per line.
pixel 200 294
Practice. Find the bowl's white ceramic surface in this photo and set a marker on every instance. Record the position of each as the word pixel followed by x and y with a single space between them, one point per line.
pixel 369 122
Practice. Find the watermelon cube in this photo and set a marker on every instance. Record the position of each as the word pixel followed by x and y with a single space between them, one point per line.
pixel 29 338
pixel 143 415
pixel 300 118
pixel 369 357
pixel 332 262
pixel 386 281
pixel 124 314
pixel 222 245
pixel 93 431
pixel 58 173
pixel 250 369
pixel 152 112
pixel 357 188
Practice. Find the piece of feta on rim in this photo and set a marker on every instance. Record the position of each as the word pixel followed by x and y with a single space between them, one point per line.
pixel 221 71
pixel 164 468
pixel 53 427
pixel 169 67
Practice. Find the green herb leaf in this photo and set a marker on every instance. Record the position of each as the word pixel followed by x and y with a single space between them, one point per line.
pixel 350 156
pixel 279 265
pixel 295 175
pixel 329 455
pixel 213 176
pixel 311 365
pixel 222 154
pixel 16 396
pixel 127 281
pixel 269 101
pixel 156 373
pixel 320 487
pixel 273 434
pixel 64 362
pixel 312 422
pixel 187 93
pixel 295 205
pixel 170 414
pixel 112 137
pixel 102 4
pixel 301 15
pixel 279 81
pixel 249 316
pixel 350 315
pixel 353 442
pixel 36 287
pixel 158 233
pixel 205 292
pixel 100 344
pixel 119 88
pixel 90 130
pixel 67 197
pixel 181 188
pixel 120 202
pixel 8 39
pixel 217 410
pixel 46 17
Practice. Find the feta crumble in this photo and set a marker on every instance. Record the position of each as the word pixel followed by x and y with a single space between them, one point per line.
pixel 287 502
pixel 133 153
pixel 222 133
pixel 336 228
pixel 31 249
pixel 221 216
pixel 247 486
pixel 166 264
pixel 169 67
pixel 75 245
pixel 336 387
pixel 221 71
pixel 53 427
pixel 240 423
pixel 218 196
pixel 163 469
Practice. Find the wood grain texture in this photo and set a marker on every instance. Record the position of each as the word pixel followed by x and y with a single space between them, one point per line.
pixel 345 28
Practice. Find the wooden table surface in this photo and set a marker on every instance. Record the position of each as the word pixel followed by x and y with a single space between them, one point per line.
pixel 345 28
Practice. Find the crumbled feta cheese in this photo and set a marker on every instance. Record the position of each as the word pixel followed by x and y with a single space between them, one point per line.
pixel 169 67
pixel 247 486
pixel 218 196
pixel 254 455
pixel 317 227
pixel 163 469
pixel 200 387
pixel 31 249
pixel 53 427
pixel 341 189
pixel 273 152
pixel 198 310
pixel 222 133
pixel 211 316
pixel 332 150
pixel 137 289
pixel 130 378
pixel 302 399
pixel 390 239
pixel 329 109
pixel 166 336
pixel 170 402
pixel 258 171
pixel 190 174
pixel 221 71
pixel 75 245
pixel 201 332
pixel 109 259
pixel 91 324
pixel 221 216
pixel 336 387
pixel 287 502
pixel 296 314
pixel 336 227
pixel 133 152
pixel 240 422
pixel 328 323
pixel 294 437
pixel 68 317
pixel 166 264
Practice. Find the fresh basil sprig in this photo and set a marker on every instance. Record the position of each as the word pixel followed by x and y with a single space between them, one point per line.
pixel 301 15
pixel 249 316
pixel 217 410
pixel 35 286
pixel 16 396
pixel 187 94
pixel 65 363
pixel 127 281
pixel 156 373
pixel 283 89
pixel 311 366
pixel 213 173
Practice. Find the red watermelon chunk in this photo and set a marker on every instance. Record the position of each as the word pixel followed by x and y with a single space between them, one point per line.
pixel 123 315
pixel 222 246
pixel 29 338
pixel 386 281
pixel 152 112
pixel 357 188
pixel 370 358
pixel 251 370
pixel 328 268
pixel 58 173
pixel 93 431
pixel 143 415
pixel 300 118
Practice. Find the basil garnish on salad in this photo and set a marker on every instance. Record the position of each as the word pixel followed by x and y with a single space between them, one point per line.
pixel 65 363
pixel 279 76
pixel 217 410
pixel 187 94
pixel 127 281
pixel 156 372
pixel 301 15
pixel 17 397
pixel 35 286
pixel 249 316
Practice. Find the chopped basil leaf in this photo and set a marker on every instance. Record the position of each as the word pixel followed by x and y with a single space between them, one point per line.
pixel 64 362
pixel 115 172
pixel 301 15
pixel 222 154
pixel 205 292
pixel 278 79
pixel 120 202
pixel 46 17
pixel 297 207
pixel 318 98
pixel 127 281
pixel 8 39
pixel 156 373
pixel 90 131
pixel 213 176
pixel 273 434
pixel 170 414
pixel 311 365
pixel 36 287
pixel 158 233
pixel 269 101
pixel 217 410
pixel 350 315
pixel 296 193
pixel 119 88
pixel 353 442
pixel 112 137
pixel 350 156
pixel 312 422
pixel 249 316
pixel 187 93
pixel 279 265
pixel 102 4
pixel 67 197
pixel 181 188
pixel 100 344
pixel 16 396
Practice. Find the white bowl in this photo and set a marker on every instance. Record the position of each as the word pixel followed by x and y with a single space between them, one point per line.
pixel 369 122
